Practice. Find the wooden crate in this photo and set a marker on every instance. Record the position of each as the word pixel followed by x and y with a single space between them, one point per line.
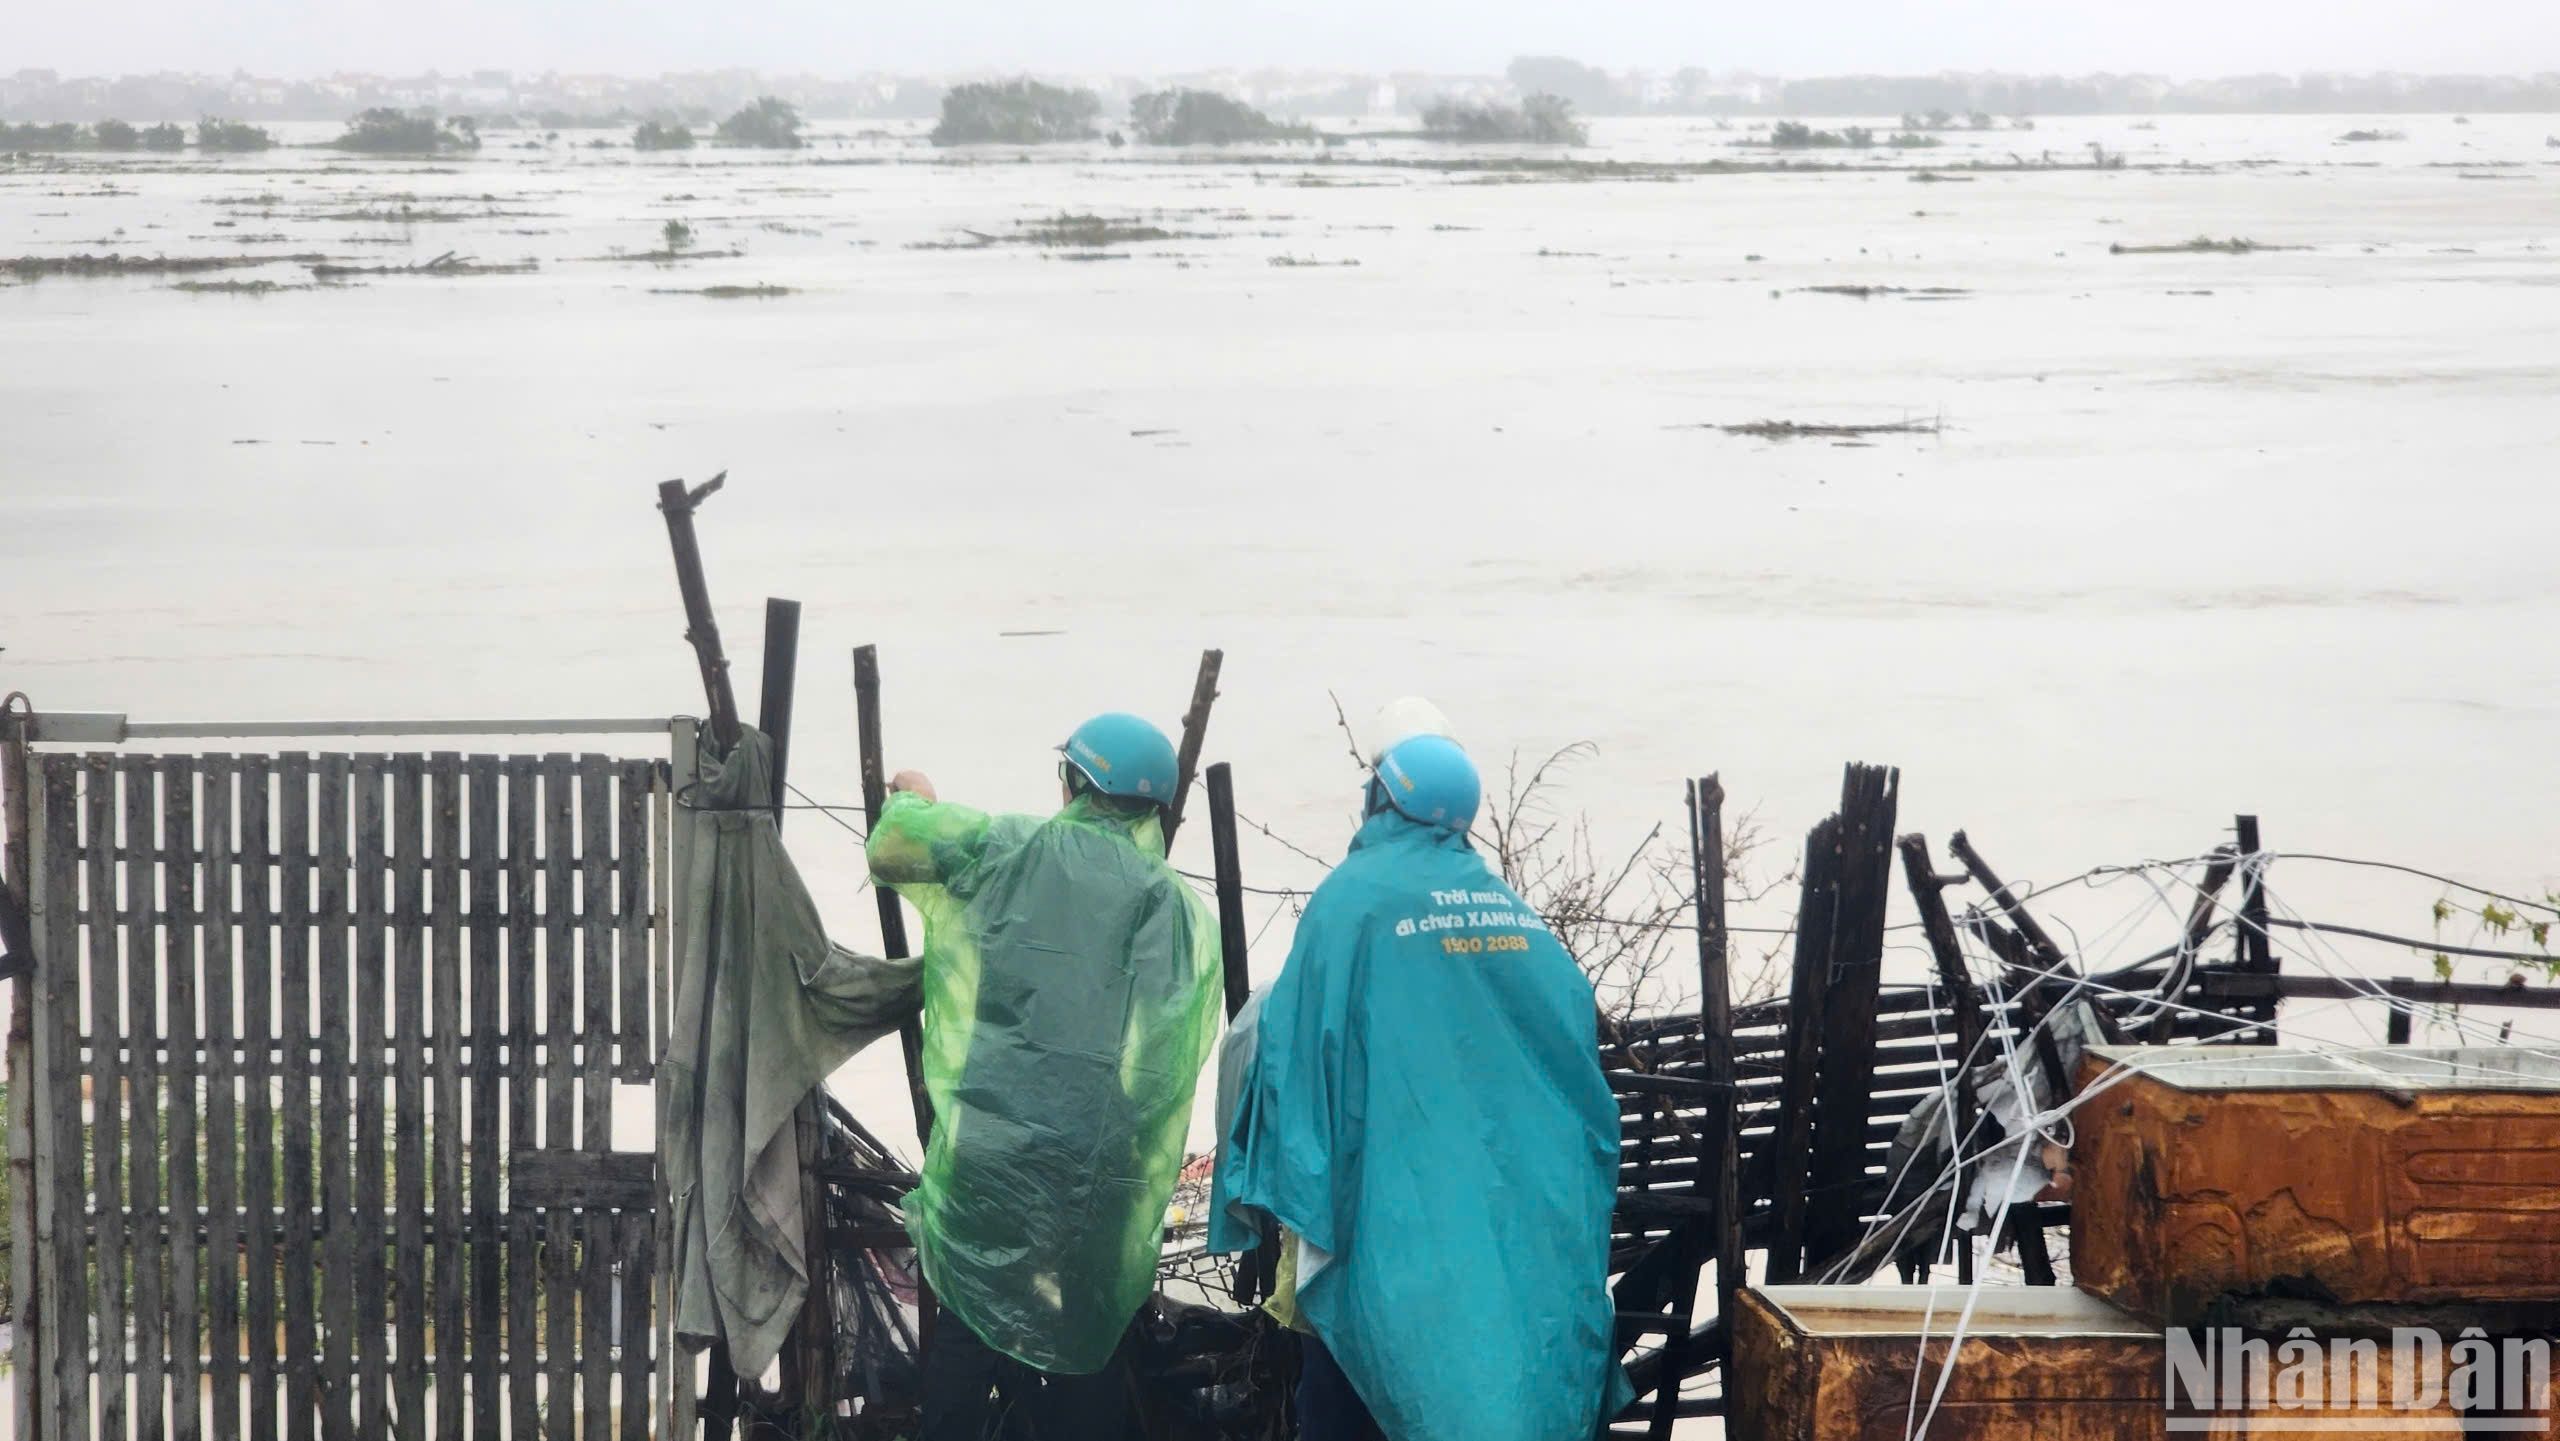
pixel 2384 1176
pixel 2037 1363
pixel 1836 1363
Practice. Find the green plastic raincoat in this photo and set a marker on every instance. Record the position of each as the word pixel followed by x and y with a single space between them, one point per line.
pixel 1426 1112
pixel 1070 995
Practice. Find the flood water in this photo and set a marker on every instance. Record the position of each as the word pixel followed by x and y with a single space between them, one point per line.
pixel 2195 533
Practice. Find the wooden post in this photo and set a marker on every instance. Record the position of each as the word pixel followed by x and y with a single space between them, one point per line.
pixel 1195 730
pixel 893 936
pixel 2046 951
pixel 807 1374
pixel 2030 954
pixel 1230 886
pixel 1855 971
pixel 2256 956
pixel 1791 1139
pixel 1253 1271
pixel 773 698
pixel 701 630
pixel 2173 987
pixel 720 1401
pixel 1927 896
pixel 1715 1025
pixel 27 1324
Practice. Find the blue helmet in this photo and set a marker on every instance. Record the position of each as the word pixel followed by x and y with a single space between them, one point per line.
pixel 1124 755
pixel 1428 778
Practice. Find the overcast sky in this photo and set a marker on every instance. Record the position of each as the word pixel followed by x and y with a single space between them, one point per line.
pixel 2181 38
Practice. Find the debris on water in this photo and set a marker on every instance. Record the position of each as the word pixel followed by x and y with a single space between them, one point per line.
pixel 39 267
pixel 1823 430
pixel 446 264
pixel 1868 292
pixel 1932 177
pixel 1308 262
pixel 2367 137
pixel 733 292
pixel 413 215
pixel 237 287
pixel 1062 231
pixel 2201 245
pixel 664 256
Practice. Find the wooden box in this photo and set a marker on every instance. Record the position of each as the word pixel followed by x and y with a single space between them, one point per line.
pixel 2381 1176
pixel 2037 1363
pixel 1836 1363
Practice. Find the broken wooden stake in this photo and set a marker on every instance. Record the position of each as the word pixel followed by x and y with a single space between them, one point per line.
pixel 1195 731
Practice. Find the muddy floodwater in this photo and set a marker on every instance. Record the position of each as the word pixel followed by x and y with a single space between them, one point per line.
pixel 2158 536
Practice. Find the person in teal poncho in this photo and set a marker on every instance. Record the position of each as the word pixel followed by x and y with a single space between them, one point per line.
pixel 1425 1114
pixel 1070 996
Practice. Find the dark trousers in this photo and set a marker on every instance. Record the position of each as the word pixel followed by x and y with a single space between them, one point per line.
pixel 1328 1409
pixel 974 1392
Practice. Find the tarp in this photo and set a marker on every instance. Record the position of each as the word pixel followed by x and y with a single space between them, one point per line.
pixel 1425 1110
pixel 764 1009
pixel 1071 994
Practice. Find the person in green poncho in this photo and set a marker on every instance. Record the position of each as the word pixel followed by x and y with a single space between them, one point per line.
pixel 1070 996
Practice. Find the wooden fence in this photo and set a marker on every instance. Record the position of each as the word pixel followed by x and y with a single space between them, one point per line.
pixel 328 1050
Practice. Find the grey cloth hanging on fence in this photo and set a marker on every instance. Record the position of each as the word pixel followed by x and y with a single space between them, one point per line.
pixel 765 1009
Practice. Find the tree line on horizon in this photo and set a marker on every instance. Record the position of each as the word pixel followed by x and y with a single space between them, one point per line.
pixel 694 100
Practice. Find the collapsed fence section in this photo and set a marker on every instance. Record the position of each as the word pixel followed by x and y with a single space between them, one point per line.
pixel 329 1053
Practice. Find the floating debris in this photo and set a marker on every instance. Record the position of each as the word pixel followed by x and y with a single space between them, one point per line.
pixel 1869 292
pixel 664 256
pixel 1062 231
pixel 40 267
pixel 239 287
pixel 1308 262
pixel 1820 430
pixel 445 264
pixel 731 292
pixel 2201 245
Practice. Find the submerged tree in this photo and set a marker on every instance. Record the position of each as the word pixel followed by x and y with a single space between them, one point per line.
pixel 1537 120
pixel 30 136
pixel 116 135
pixel 384 130
pixel 1016 112
pixel 164 136
pixel 769 124
pixel 653 136
pixel 230 135
pixel 1204 117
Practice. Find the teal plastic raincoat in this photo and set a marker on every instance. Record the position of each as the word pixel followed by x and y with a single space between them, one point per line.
pixel 1426 1111
pixel 1070 995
